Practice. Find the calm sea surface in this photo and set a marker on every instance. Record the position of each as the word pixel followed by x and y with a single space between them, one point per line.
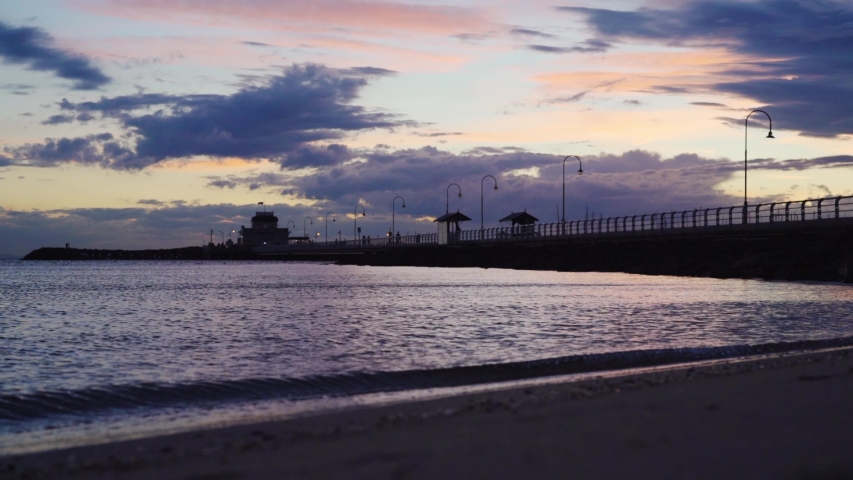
pixel 84 340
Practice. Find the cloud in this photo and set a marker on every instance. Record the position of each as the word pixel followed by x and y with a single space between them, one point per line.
pixel 32 46
pixel 16 86
pixel 588 46
pixel 310 156
pixel 374 18
pixel 256 44
pixel 708 104
pixel 802 52
pixel 101 149
pixel 484 150
pixel 470 37
pixel 220 183
pixel 368 72
pixel 834 161
pixel 570 99
pixel 526 32
pixel 437 134
pixel 633 182
pixel 279 120
pixel 58 120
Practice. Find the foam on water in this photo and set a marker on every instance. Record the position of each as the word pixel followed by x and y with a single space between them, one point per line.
pixel 14 408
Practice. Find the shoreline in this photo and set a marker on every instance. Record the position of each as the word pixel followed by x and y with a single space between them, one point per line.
pixel 780 415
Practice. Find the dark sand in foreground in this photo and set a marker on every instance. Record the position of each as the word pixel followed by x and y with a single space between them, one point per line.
pixel 784 417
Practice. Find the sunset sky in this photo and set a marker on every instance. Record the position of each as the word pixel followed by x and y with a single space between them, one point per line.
pixel 147 123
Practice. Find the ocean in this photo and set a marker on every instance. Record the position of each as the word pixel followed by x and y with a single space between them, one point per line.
pixel 98 351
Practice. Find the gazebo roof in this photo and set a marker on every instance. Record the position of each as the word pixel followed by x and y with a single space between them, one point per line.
pixel 520 218
pixel 452 217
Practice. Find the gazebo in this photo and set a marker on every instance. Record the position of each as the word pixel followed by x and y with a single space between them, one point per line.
pixel 520 218
pixel 448 227
pixel 522 223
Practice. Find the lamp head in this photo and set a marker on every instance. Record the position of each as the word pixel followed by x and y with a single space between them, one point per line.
pixel 770 135
pixel 404 205
pixel 496 187
pixel 363 214
pixel 460 194
pixel 580 171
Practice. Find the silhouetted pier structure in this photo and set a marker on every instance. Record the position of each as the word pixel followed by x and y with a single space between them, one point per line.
pixel 797 240
pixel 759 219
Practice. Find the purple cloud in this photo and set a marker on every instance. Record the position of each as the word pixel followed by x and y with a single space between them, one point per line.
pixel 32 46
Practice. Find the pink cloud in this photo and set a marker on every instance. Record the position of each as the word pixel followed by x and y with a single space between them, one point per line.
pixel 275 14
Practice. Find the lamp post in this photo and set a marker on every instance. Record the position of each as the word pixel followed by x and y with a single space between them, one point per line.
pixel 745 129
pixel 580 172
pixel 481 197
pixel 447 207
pixel 393 214
pixel 288 225
pixel 334 216
pixel 222 235
pixel 355 220
pixel 305 230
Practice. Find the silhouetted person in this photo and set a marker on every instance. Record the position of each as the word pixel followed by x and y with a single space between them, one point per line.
pixel 399 237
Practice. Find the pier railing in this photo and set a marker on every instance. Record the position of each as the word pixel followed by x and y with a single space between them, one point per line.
pixel 831 209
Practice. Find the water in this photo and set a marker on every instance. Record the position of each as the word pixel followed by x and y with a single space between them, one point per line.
pixel 88 343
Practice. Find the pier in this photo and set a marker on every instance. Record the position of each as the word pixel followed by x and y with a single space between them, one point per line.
pixel 794 240
pixel 808 239
pixel 761 219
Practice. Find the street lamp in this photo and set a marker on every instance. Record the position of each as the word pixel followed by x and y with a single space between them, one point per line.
pixel 769 135
pixel 481 196
pixel 447 208
pixel 288 225
pixel 222 234
pixel 392 211
pixel 334 216
pixel 355 220
pixel 580 172
pixel 305 230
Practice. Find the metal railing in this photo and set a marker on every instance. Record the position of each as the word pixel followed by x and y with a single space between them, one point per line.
pixel 737 217
pixel 361 243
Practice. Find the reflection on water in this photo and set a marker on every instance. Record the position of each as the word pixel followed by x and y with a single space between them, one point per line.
pixel 76 325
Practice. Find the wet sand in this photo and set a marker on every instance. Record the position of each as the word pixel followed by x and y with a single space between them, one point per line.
pixel 779 417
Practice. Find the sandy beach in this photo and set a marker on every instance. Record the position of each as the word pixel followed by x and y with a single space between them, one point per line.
pixel 773 417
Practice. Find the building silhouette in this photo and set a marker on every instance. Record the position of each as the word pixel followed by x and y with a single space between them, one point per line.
pixel 264 231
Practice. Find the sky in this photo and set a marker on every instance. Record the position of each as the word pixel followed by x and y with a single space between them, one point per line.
pixel 148 123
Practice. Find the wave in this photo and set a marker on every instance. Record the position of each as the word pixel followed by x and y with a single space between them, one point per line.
pixel 155 395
